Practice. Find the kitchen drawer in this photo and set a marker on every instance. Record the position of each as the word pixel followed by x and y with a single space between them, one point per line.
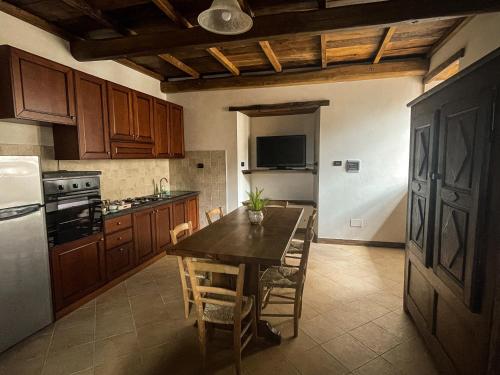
pixel 131 150
pixel 118 223
pixel 118 238
pixel 119 260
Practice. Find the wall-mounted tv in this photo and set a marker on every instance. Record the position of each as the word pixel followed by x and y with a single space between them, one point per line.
pixel 281 151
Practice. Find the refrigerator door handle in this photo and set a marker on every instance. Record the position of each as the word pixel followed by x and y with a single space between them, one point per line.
pixel 13 213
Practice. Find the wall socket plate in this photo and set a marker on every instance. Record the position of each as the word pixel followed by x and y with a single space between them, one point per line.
pixel 356 223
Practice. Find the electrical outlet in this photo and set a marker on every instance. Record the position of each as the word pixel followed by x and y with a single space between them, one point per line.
pixel 356 223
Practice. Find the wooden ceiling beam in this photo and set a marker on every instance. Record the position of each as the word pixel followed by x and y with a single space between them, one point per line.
pixel 383 45
pixel 431 76
pixel 278 26
pixel 281 109
pixel 271 56
pixel 220 57
pixel 340 73
pixel 324 57
pixel 167 8
pixel 180 65
pixel 322 4
pixel 87 9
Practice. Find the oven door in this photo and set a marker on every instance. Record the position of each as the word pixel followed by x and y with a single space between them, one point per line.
pixel 72 217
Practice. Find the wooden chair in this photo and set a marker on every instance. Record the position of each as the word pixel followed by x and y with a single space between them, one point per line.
pixel 216 212
pixel 184 274
pixel 296 246
pixel 287 277
pixel 282 204
pixel 218 305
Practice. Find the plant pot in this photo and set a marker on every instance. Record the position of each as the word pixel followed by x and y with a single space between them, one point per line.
pixel 255 217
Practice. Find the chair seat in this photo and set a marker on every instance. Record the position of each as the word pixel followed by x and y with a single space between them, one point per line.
pixel 295 247
pixel 280 277
pixel 225 314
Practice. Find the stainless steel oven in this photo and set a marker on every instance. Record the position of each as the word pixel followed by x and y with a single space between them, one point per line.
pixel 73 205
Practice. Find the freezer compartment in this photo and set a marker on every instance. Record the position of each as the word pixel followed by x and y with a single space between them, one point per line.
pixel 20 181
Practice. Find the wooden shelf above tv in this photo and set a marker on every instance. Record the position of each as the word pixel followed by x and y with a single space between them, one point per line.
pixel 274 170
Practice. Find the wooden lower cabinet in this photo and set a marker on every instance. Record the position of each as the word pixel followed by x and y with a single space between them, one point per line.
pixel 119 260
pixel 163 226
pixel 78 268
pixel 192 212
pixel 145 234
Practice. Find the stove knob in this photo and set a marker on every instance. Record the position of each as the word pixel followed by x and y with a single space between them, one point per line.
pixel 75 186
pixel 60 187
pixel 87 184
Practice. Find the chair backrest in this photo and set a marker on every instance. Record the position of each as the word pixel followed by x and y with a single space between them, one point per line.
pixel 216 295
pixel 184 227
pixel 282 204
pixel 307 246
pixel 215 212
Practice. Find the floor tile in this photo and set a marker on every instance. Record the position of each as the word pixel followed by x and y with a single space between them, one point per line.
pixel 317 361
pixel 375 337
pixel 68 337
pixel 411 358
pixel 124 365
pixel 350 352
pixel 72 360
pixel 115 346
pixel 321 329
pixel 378 366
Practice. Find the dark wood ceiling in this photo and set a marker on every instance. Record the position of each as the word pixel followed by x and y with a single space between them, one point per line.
pixel 103 19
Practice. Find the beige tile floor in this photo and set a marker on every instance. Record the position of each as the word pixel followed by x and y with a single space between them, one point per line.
pixel 352 323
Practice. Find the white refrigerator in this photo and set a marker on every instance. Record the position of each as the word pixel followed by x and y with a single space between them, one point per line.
pixel 25 295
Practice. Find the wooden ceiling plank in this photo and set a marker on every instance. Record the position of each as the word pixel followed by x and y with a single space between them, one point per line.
pixel 383 14
pixel 429 77
pixel 271 56
pixel 180 65
pixel 322 4
pixel 459 25
pixel 324 57
pixel 388 69
pixel 383 45
pixel 220 57
pixel 87 9
pixel 36 21
pixel 167 8
pixel 141 69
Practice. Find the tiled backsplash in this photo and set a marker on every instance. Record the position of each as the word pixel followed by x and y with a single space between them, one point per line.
pixel 120 178
pixel 209 180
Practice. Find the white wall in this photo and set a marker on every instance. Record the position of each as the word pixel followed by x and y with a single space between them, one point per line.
pixel 243 155
pixel 368 120
pixel 479 37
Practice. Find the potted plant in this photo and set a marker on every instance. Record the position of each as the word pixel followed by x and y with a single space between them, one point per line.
pixel 255 206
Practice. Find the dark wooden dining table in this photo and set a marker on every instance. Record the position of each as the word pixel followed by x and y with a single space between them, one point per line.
pixel 233 240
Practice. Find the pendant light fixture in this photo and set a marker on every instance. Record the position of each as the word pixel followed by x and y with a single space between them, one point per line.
pixel 225 17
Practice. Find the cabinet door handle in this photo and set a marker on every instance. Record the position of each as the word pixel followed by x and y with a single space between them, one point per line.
pixel 119 238
pixel 119 223
pixel 121 250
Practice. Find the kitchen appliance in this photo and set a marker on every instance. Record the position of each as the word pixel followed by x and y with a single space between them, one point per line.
pixel 73 205
pixel 25 295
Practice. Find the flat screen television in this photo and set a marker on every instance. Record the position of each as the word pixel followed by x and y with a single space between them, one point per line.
pixel 281 151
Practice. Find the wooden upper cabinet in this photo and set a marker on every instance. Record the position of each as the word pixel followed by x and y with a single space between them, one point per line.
pixel 92 117
pixel 176 131
pixel 144 119
pixel 121 113
pixel 40 90
pixel 162 128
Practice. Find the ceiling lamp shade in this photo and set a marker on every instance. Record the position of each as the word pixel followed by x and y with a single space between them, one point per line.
pixel 225 17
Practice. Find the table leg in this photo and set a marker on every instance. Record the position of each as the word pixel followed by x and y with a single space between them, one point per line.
pixel 265 329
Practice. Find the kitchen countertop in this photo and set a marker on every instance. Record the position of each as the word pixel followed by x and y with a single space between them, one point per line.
pixel 172 197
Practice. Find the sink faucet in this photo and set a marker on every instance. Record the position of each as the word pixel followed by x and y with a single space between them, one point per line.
pixel 166 181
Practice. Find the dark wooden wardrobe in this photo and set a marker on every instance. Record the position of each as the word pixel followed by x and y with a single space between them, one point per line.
pixel 452 274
